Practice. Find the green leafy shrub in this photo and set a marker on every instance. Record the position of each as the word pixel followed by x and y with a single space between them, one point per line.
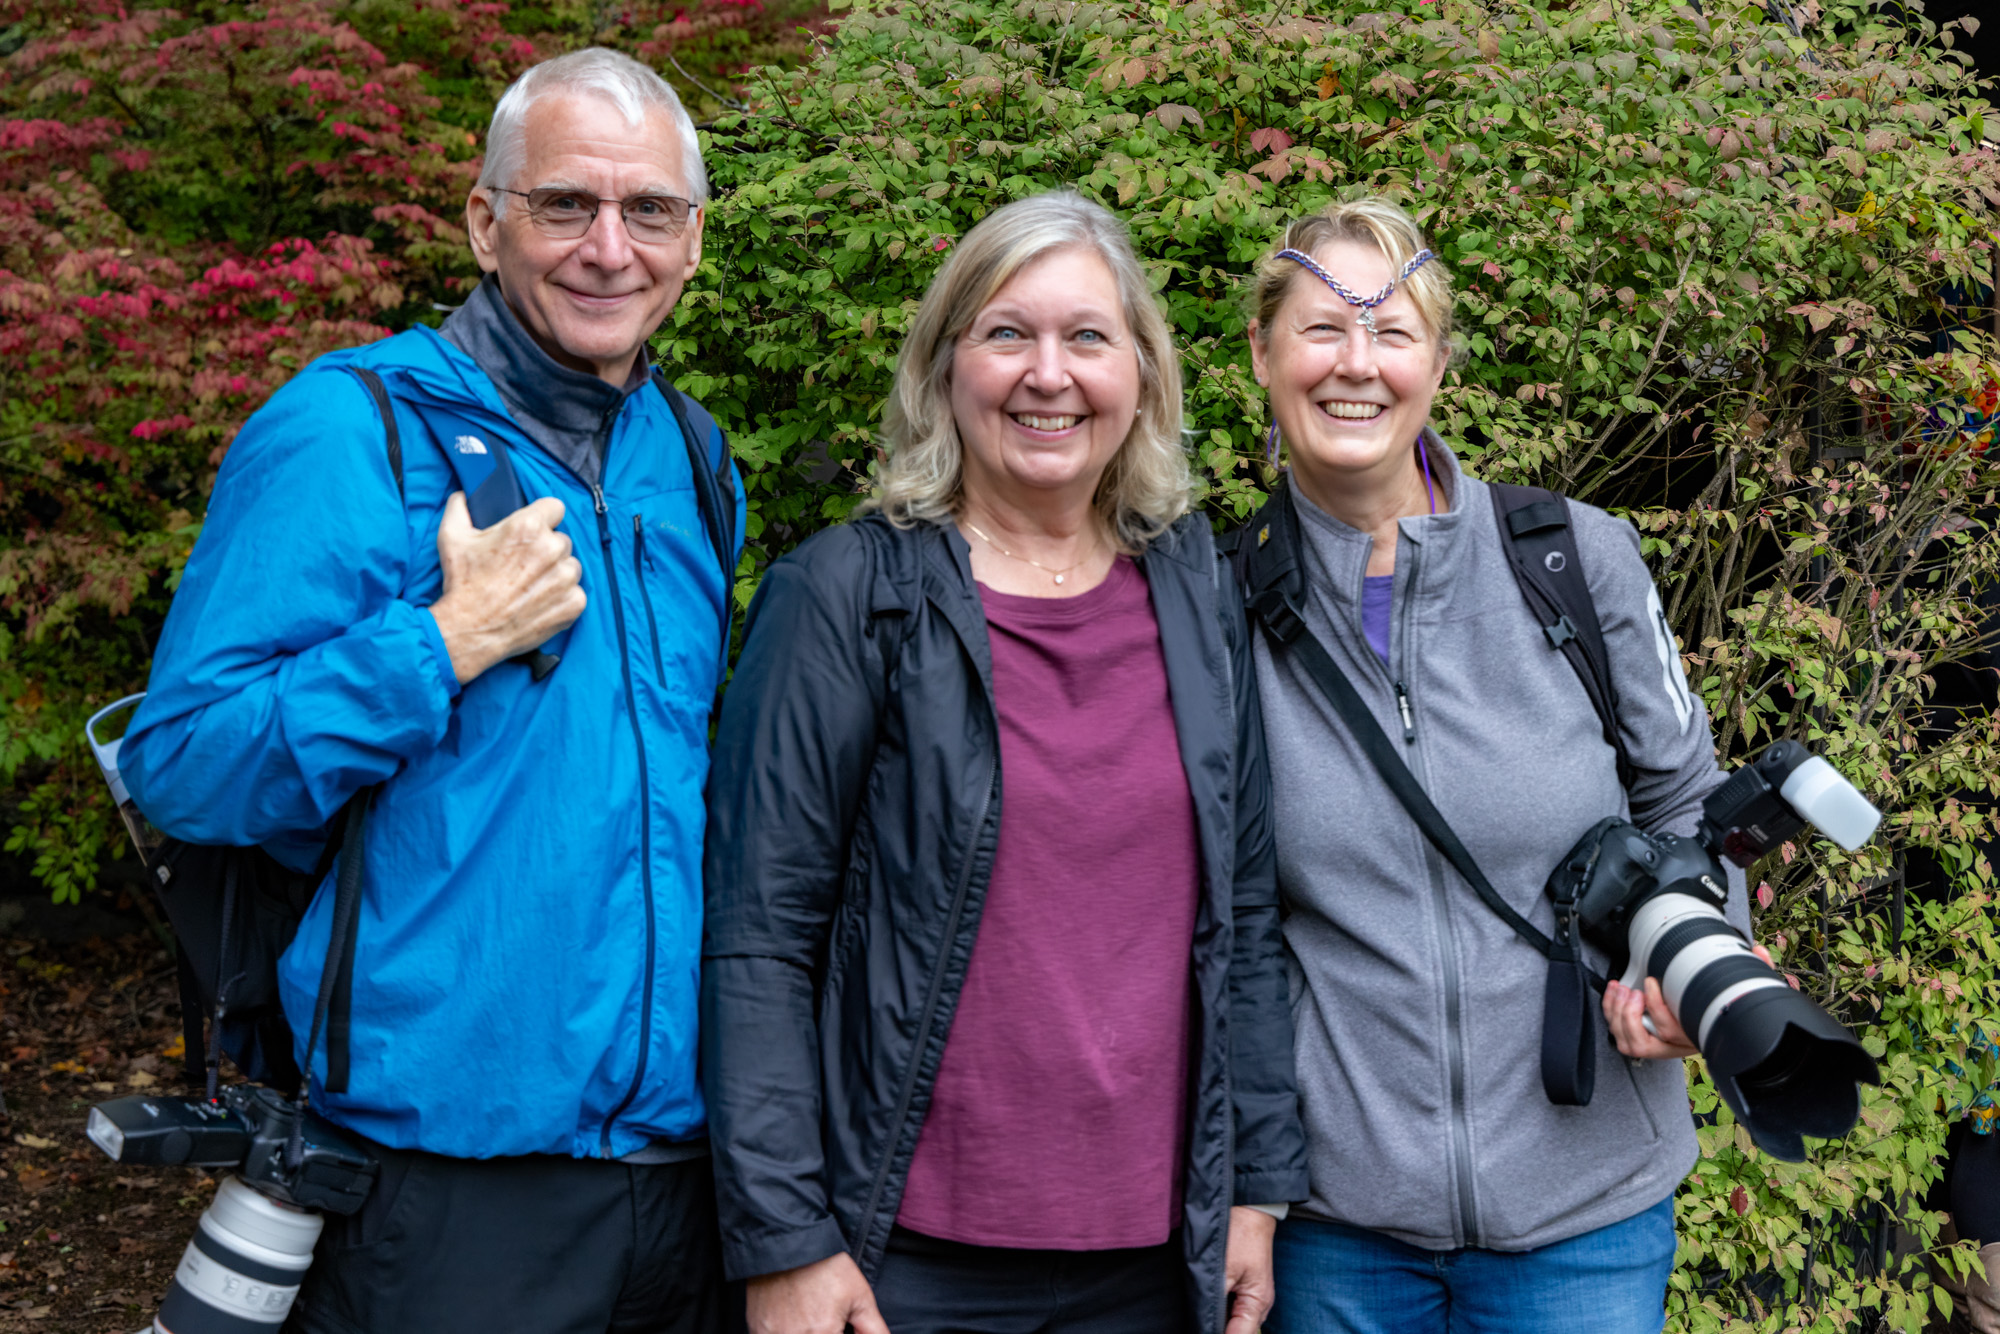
pixel 1706 264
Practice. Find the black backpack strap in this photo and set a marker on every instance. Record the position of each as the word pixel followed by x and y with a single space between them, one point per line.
pixel 714 484
pixel 335 1006
pixel 1275 582
pixel 394 438
pixel 714 491
pixel 338 972
pixel 194 1047
pixel 1535 533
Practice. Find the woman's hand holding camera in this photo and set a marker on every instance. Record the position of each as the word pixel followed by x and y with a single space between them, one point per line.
pixel 1626 1012
pixel 506 588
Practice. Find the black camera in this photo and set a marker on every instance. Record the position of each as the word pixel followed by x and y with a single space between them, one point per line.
pixel 255 1240
pixel 1654 904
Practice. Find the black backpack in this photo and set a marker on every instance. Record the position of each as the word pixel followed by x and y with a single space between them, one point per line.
pixel 235 910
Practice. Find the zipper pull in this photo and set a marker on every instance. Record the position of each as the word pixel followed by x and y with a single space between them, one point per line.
pixel 640 557
pixel 603 523
pixel 1403 708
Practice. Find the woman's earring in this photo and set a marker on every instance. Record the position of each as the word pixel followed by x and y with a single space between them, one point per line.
pixel 1271 440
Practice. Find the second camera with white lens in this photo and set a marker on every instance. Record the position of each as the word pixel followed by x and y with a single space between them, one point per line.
pixel 1654 904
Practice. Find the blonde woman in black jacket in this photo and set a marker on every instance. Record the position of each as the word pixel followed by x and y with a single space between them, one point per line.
pixel 994 1024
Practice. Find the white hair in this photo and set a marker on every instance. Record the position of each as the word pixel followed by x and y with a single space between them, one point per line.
pixel 597 72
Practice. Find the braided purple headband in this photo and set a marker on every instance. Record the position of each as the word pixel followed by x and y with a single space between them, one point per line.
pixel 1367 303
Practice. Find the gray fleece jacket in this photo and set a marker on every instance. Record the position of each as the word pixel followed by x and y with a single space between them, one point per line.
pixel 1419 1012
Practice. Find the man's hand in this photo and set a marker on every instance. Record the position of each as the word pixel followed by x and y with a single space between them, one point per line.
pixel 829 1296
pixel 1247 1269
pixel 506 588
pixel 1625 1011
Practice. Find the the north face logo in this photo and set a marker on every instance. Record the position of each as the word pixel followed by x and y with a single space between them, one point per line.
pixel 469 444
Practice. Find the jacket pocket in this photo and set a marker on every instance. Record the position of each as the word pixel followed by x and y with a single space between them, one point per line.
pixel 1639 1094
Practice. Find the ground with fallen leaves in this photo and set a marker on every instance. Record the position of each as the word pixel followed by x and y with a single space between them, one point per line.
pixel 86 1247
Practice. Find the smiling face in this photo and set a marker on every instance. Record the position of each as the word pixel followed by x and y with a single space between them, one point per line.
pixel 593 300
pixel 1045 386
pixel 1351 407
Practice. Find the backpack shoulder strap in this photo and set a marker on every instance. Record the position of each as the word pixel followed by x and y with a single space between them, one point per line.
pixel 393 438
pixel 335 1003
pixel 714 483
pixel 715 496
pixel 1535 533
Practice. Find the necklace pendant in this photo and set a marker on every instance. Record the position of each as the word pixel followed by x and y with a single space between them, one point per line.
pixel 1059 578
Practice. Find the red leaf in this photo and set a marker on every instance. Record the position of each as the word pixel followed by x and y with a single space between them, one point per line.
pixel 1739 1200
pixel 1270 137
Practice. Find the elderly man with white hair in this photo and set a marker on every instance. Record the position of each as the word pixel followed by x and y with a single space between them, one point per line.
pixel 476 582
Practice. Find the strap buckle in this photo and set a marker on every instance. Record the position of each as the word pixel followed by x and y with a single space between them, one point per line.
pixel 1562 632
pixel 1278 614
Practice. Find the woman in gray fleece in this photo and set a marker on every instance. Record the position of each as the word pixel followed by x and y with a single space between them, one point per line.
pixel 1448 1192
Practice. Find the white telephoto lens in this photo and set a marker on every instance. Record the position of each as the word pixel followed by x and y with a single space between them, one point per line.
pixel 244 1266
pixel 1817 791
pixel 1677 938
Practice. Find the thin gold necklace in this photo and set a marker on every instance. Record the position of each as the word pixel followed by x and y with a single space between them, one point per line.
pixel 1057 575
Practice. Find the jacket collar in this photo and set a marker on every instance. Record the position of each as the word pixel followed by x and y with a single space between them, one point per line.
pixel 949 585
pixel 1274 545
pixel 567 412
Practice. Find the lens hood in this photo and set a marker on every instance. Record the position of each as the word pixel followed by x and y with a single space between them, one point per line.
pixel 1787 1069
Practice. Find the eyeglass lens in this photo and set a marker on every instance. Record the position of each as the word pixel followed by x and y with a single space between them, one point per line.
pixel 568 214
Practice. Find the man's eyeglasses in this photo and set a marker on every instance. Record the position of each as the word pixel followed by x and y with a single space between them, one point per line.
pixel 568 214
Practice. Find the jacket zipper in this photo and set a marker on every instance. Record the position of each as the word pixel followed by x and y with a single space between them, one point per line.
pixel 929 1015
pixel 1454 1036
pixel 639 563
pixel 645 820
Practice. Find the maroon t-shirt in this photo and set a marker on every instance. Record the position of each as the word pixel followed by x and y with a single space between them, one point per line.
pixel 1059 1117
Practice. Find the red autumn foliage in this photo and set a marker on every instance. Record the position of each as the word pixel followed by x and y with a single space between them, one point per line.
pixel 194 203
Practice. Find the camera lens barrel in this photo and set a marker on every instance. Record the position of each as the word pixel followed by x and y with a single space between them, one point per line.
pixel 1703 963
pixel 241 1272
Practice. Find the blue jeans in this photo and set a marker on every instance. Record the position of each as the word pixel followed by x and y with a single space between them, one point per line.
pixel 1334 1279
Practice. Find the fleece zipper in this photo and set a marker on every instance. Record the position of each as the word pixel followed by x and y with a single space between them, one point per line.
pixel 1445 939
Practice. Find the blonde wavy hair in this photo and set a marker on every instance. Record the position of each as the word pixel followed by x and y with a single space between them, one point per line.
pixel 1148 483
pixel 1373 222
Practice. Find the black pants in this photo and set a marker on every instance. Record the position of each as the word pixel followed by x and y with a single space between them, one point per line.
pixel 544 1244
pixel 1971 1184
pixel 929 1286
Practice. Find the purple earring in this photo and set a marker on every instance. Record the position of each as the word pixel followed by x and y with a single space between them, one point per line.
pixel 1271 443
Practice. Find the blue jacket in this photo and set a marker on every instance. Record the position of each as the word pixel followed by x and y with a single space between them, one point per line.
pixel 526 970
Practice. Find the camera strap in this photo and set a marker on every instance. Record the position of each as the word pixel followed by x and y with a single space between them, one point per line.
pixel 1274 577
